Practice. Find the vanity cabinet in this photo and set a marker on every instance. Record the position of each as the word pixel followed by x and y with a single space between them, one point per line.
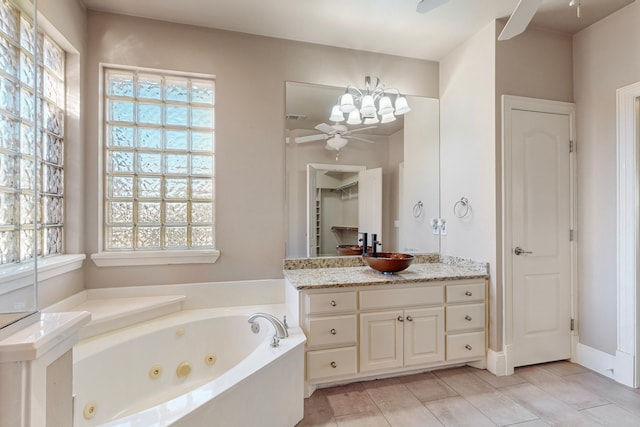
pixel 362 331
pixel 329 321
pixel 413 334
pixel 466 313
pixel 401 338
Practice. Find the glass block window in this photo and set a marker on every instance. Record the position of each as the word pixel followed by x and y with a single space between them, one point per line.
pixel 159 161
pixel 31 168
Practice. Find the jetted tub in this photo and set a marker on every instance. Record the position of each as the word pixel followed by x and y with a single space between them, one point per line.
pixel 193 368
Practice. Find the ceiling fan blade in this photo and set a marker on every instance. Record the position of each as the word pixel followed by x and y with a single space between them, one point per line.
pixel 358 130
pixel 360 139
pixel 323 127
pixel 519 19
pixel 310 138
pixel 425 6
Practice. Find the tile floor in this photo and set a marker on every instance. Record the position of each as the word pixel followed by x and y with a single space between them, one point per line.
pixel 553 394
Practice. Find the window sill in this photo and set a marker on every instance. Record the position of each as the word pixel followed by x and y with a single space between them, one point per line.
pixel 133 258
pixel 21 275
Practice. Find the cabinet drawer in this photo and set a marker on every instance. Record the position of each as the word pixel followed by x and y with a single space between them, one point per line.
pixel 336 362
pixel 387 298
pixel 469 292
pixel 465 346
pixel 331 330
pixel 334 302
pixel 465 317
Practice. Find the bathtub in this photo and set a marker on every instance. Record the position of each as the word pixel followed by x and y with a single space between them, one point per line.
pixel 194 368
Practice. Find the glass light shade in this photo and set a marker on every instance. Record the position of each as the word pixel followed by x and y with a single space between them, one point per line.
pixel 371 120
pixel 354 117
pixel 346 103
pixel 385 106
pixel 388 118
pixel 402 107
pixel 368 107
pixel 337 142
pixel 336 114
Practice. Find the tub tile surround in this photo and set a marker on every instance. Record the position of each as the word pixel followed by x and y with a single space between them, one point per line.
pixel 115 308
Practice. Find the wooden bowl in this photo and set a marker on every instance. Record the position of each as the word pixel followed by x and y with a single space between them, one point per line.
pixel 388 262
pixel 350 249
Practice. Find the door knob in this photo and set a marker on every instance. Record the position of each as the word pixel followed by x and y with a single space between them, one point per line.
pixel 519 251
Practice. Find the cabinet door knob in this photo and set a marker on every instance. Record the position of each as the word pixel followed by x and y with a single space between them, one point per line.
pixel 468 347
pixel 334 365
pixel 467 317
pixel 333 303
pixel 333 331
pixel 410 319
pixel 400 319
pixel 468 293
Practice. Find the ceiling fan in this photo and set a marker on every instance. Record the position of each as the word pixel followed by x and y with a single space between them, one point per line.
pixel 336 135
pixel 517 23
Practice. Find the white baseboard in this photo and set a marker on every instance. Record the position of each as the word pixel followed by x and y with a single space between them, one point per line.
pixel 497 363
pixel 625 369
pixel 596 360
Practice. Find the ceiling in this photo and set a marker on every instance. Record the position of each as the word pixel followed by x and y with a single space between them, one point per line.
pixel 383 26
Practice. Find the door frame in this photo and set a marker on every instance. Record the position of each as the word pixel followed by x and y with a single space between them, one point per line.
pixel 509 104
pixel 627 361
pixel 328 168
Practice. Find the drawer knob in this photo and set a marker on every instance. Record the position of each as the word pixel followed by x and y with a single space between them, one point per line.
pixel 333 303
pixel 468 347
pixel 334 365
pixel 468 318
pixel 468 293
pixel 410 319
pixel 400 319
pixel 333 331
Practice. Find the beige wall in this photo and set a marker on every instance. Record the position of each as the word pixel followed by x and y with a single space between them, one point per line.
pixel 65 22
pixel 250 78
pixel 473 78
pixel 605 58
pixel 467 156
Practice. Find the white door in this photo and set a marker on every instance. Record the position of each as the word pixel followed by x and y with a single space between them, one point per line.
pixel 540 236
pixel 370 202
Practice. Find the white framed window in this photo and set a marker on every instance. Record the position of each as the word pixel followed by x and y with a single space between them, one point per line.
pixel 158 163
pixel 31 160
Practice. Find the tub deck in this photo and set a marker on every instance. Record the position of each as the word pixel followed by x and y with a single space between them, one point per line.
pixel 109 313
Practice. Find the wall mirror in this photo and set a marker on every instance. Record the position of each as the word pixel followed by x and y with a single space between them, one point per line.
pixel 327 204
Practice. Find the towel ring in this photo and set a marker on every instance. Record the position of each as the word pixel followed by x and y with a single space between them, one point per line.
pixel 417 209
pixel 461 208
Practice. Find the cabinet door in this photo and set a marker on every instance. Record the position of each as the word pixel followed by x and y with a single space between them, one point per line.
pixel 423 336
pixel 381 340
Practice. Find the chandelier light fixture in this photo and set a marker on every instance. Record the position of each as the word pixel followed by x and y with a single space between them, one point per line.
pixel 369 106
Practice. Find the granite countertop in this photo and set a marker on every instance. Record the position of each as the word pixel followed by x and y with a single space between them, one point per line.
pixel 340 277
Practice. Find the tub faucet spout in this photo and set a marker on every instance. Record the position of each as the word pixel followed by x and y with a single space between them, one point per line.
pixel 279 326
